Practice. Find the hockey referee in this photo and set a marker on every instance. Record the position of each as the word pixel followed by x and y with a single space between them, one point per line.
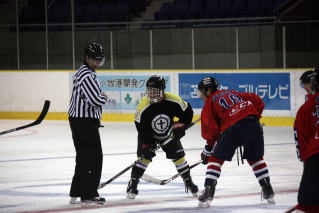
pixel 84 116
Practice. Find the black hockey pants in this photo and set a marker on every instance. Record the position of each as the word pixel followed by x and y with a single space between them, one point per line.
pixel 309 185
pixel 89 157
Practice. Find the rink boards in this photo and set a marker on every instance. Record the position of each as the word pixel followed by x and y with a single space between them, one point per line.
pixel 23 92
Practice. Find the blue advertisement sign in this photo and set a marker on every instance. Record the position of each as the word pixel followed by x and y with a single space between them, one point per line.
pixel 125 91
pixel 273 88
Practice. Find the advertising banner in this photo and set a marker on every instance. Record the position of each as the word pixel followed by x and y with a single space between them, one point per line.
pixel 125 91
pixel 273 88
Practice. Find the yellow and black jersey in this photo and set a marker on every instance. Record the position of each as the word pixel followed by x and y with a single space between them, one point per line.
pixel 154 120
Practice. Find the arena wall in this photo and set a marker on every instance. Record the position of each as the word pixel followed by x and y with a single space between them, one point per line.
pixel 22 93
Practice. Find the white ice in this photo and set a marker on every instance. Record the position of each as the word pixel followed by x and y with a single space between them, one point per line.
pixel 37 164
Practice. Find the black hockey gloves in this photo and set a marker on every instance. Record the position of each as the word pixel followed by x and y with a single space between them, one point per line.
pixel 147 151
pixel 207 151
pixel 178 130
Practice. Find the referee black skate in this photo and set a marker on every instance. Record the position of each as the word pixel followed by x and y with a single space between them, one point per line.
pixel 84 116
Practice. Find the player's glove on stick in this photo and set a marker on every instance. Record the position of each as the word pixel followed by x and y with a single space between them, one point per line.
pixel 178 130
pixel 148 151
pixel 207 151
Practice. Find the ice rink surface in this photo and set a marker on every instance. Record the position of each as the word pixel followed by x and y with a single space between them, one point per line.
pixel 37 164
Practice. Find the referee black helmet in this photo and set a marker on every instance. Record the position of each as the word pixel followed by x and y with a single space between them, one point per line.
pixel 94 51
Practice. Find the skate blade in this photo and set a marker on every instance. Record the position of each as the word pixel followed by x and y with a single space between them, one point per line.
pixel 75 202
pixel 130 196
pixel 271 201
pixel 85 204
pixel 204 204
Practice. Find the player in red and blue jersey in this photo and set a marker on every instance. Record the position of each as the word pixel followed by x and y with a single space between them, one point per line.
pixel 230 119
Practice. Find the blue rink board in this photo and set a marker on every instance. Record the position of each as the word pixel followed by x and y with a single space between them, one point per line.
pixel 273 88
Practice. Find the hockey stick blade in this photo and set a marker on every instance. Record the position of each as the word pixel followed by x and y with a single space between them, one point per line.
pixel 150 179
pixel 44 112
pixel 116 176
pixel 36 122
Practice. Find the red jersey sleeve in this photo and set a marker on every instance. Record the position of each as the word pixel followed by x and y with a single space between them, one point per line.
pixel 209 127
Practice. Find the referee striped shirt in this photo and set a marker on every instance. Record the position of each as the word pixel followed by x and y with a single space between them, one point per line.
pixel 87 99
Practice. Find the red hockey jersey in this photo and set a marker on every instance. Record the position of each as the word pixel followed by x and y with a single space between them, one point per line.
pixel 224 108
pixel 307 128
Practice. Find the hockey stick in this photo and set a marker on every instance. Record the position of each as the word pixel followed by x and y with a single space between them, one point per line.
pixel 130 166
pixel 116 176
pixel 150 179
pixel 36 122
pixel 189 126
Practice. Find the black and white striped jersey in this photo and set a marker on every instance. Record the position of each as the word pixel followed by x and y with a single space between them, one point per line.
pixel 87 99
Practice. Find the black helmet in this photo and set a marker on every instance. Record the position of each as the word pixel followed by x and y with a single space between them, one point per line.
pixel 156 81
pixel 94 51
pixel 306 77
pixel 208 83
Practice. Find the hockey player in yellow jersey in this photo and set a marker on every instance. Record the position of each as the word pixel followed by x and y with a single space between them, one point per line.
pixel 154 123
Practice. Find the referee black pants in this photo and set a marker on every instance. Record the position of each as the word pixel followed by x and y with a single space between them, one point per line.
pixel 89 157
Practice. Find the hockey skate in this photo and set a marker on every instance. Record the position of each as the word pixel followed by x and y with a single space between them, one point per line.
pixel 190 186
pixel 132 188
pixel 93 201
pixel 73 200
pixel 206 196
pixel 267 191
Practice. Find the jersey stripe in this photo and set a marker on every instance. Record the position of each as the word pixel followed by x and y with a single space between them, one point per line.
pixel 86 99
